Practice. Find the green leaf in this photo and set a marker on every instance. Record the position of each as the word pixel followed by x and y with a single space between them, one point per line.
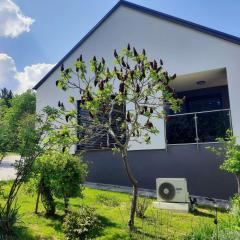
pixel 71 99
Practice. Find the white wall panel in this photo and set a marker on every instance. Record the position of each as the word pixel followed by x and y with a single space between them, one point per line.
pixel 183 51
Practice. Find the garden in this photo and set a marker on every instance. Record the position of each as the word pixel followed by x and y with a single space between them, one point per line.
pixel 47 199
pixel 110 218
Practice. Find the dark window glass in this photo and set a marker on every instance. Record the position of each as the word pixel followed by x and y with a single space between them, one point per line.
pixel 212 125
pixel 203 103
pixel 180 129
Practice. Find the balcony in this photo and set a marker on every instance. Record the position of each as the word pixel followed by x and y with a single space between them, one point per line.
pixel 197 127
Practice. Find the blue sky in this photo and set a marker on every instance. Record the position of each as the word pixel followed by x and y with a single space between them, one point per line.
pixel 45 30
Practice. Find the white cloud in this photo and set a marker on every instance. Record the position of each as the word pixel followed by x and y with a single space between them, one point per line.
pixel 12 20
pixel 20 81
pixel 32 75
pixel 7 72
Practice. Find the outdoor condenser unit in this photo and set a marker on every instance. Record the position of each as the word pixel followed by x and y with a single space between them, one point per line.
pixel 173 190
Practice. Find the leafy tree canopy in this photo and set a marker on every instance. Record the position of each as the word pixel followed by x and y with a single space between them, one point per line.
pixel 230 150
pixel 122 102
pixel 15 118
pixel 6 96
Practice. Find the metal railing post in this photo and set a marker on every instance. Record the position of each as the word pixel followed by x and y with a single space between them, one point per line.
pixel 230 120
pixel 165 134
pixel 196 129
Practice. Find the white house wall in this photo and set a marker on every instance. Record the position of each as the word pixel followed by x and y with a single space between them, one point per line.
pixel 182 49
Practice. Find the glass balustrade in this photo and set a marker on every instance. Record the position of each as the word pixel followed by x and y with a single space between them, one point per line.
pixel 198 127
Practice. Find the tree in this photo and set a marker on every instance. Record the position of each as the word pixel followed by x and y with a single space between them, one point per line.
pixel 4 144
pixel 29 148
pixel 11 118
pixel 6 96
pixel 230 150
pixel 121 103
pixel 5 104
pixel 18 133
pixel 56 172
pixel 37 137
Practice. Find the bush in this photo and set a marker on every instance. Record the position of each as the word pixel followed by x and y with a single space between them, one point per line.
pixel 142 206
pixel 81 224
pixel 107 200
pixel 227 234
pixel 235 210
pixel 8 221
pixel 230 228
pixel 57 174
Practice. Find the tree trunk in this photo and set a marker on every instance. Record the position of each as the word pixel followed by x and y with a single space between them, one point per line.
pixel 65 204
pixel 47 199
pixel 135 189
pixel 238 182
pixel 37 201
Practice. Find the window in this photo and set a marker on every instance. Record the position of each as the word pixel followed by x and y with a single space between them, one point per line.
pixel 204 103
pixel 202 119
pixel 180 129
pixel 99 138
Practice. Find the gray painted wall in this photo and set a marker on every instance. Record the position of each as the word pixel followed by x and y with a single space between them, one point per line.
pixel 199 166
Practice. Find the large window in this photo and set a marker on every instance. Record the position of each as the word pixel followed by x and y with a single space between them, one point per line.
pixel 204 103
pixel 204 117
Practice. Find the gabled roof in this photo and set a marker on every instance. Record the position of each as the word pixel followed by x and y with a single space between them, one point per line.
pixel 152 12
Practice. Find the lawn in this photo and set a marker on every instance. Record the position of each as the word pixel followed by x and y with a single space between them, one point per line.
pixel 112 209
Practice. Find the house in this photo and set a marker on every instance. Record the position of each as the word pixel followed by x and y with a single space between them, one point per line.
pixel 207 63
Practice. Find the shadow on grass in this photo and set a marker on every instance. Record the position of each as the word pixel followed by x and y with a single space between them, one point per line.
pixel 19 233
pixel 140 234
pixel 105 222
pixel 60 205
pixel 56 223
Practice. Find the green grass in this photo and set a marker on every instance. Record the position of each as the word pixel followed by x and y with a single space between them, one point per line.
pixel 169 225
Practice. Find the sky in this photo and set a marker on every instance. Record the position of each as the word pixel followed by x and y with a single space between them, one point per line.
pixel 36 34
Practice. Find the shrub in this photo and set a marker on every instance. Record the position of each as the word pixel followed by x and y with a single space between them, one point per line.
pixel 227 234
pixel 107 200
pixel 142 206
pixel 8 221
pixel 230 150
pixel 57 174
pixel 235 210
pixel 81 224
pixel 230 228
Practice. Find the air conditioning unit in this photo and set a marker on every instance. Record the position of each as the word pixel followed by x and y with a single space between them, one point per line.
pixel 173 190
